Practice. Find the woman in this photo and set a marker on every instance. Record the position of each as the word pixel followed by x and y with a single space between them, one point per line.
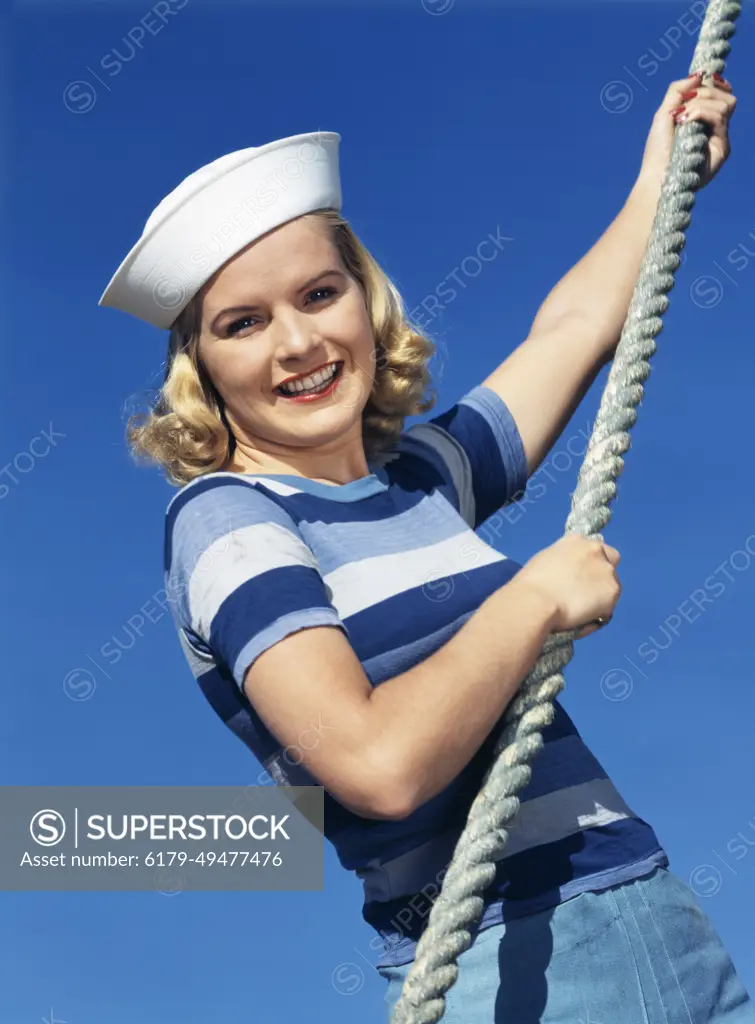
pixel 327 583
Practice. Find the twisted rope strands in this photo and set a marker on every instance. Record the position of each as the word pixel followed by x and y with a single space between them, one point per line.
pixel 458 907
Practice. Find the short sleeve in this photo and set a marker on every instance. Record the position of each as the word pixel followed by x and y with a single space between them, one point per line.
pixel 241 575
pixel 477 446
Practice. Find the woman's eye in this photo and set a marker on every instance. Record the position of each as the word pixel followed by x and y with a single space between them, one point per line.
pixel 326 291
pixel 235 327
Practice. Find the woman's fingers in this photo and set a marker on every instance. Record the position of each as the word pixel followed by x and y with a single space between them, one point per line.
pixel 722 84
pixel 612 555
pixel 711 92
pixel 677 92
pixel 589 628
pixel 713 112
pixel 713 106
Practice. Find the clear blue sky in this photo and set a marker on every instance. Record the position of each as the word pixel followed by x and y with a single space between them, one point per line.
pixel 524 120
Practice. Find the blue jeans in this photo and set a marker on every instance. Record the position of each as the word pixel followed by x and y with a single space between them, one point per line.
pixel 639 953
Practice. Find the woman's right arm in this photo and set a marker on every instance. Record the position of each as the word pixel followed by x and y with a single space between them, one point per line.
pixel 383 752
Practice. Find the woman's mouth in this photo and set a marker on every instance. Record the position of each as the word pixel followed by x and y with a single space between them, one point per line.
pixel 320 390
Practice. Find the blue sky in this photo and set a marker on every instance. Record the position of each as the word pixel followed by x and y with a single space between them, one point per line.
pixel 457 122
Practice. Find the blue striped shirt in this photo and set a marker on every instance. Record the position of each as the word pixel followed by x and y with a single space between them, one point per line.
pixel 393 560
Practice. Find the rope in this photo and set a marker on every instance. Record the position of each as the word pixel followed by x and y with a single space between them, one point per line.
pixel 459 905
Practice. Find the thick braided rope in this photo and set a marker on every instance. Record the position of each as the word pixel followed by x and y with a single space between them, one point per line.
pixel 458 907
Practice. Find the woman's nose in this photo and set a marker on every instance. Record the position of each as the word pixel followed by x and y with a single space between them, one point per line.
pixel 294 334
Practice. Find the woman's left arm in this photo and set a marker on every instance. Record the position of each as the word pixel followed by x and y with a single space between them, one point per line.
pixel 578 327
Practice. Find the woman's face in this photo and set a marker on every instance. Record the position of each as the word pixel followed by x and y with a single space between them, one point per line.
pixel 286 307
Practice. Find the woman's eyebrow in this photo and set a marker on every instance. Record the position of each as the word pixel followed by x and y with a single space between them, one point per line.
pixel 249 308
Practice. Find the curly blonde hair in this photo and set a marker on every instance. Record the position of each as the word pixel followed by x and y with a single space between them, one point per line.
pixel 186 432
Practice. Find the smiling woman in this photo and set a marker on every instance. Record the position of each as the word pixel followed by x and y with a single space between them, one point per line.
pixel 323 566
pixel 228 352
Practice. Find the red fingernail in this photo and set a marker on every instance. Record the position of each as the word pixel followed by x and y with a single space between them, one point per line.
pixel 677 110
pixel 689 95
pixel 719 78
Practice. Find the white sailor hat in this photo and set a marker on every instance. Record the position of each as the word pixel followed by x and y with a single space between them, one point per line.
pixel 217 211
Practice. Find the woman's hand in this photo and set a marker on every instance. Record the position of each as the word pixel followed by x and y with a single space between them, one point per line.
pixel 578 577
pixel 688 100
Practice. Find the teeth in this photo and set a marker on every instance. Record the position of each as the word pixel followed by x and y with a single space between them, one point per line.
pixel 309 383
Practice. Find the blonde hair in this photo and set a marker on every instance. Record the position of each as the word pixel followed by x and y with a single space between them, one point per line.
pixel 186 431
